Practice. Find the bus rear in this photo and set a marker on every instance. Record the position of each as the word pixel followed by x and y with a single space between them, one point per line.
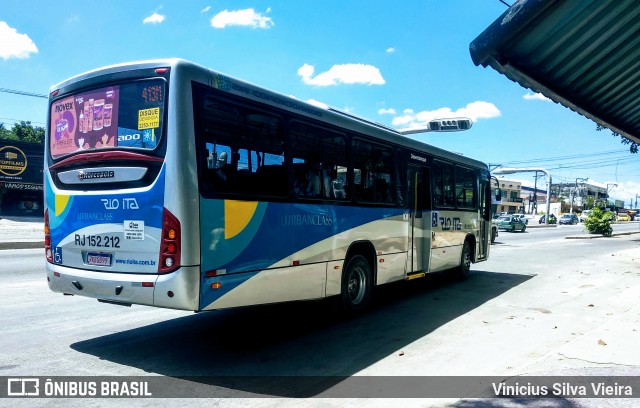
pixel 110 233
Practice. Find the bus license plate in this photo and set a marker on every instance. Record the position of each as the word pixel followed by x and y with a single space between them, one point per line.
pixel 98 259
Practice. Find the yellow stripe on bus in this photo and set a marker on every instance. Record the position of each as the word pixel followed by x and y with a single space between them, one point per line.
pixel 237 215
pixel 61 203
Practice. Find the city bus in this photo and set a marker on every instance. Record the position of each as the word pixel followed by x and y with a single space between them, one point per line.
pixel 172 185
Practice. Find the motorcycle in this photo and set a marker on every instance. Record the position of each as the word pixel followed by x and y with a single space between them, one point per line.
pixel 552 219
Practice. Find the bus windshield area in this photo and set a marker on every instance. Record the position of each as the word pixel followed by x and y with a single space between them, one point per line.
pixel 128 115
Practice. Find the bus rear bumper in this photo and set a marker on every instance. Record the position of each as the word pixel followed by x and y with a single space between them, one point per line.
pixel 177 290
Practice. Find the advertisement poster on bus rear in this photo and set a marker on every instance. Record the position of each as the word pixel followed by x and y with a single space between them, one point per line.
pixel 84 121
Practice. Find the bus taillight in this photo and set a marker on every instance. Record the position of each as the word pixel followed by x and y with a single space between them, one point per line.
pixel 47 237
pixel 170 243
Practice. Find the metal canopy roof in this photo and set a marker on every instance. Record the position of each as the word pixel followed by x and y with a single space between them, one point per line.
pixel 583 54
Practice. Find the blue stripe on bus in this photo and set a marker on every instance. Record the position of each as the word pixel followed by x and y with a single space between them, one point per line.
pixel 70 213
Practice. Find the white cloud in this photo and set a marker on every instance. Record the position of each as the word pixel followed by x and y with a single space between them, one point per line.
pixel 390 50
pixel 389 111
pixel 206 9
pixel 15 45
pixel 342 74
pixel 247 18
pixel 155 18
pixel 474 111
pixel 535 97
pixel 625 191
pixel 318 104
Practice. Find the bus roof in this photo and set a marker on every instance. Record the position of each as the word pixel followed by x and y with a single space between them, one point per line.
pixel 254 92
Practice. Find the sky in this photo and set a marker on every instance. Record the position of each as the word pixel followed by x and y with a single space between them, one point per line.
pixel 399 63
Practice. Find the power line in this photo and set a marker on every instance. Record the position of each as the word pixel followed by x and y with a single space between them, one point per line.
pixel 564 158
pixel 25 93
pixel 20 120
pixel 581 161
pixel 594 164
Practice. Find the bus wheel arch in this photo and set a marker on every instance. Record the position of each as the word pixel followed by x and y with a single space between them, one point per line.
pixel 358 278
pixel 467 256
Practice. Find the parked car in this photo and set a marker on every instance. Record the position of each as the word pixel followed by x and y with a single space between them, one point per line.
pixel 568 219
pixel 623 217
pixel 511 223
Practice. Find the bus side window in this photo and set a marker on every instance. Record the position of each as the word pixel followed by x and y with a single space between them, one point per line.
pixel 218 167
pixel 436 175
pixel 272 179
pixel 448 186
pixel 319 162
pixel 374 171
pixel 465 188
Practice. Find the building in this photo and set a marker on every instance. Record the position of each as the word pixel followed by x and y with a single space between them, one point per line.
pixel 21 192
pixel 512 202
pixel 580 195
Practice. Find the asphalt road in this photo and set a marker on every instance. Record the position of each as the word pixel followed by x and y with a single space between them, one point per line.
pixel 541 304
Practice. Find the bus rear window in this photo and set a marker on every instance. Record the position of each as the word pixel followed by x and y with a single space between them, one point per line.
pixel 126 116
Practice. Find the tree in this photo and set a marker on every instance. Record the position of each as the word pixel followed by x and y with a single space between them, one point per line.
pixel 633 146
pixel 590 202
pixel 599 222
pixel 28 133
pixel 6 134
pixel 24 132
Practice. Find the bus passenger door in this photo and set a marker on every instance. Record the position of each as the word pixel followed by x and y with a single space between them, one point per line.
pixel 420 220
pixel 485 219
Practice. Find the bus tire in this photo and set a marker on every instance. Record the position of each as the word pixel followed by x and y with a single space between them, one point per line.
pixel 494 234
pixel 356 289
pixel 462 271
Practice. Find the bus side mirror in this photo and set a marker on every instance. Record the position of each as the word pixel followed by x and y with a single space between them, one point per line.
pixel 498 194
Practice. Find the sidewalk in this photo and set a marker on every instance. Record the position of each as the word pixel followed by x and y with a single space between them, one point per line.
pixel 21 233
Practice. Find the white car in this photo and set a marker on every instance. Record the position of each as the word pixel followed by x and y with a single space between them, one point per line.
pixel 584 215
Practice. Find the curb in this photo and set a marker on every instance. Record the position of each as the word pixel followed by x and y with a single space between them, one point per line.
pixel 22 245
pixel 592 236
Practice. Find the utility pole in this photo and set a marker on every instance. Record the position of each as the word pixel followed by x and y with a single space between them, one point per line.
pixel 575 192
pixel 607 199
pixel 534 209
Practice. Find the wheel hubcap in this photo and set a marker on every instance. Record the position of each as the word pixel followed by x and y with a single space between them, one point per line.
pixel 466 260
pixel 356 285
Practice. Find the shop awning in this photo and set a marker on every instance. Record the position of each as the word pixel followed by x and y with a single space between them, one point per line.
pixel 583 54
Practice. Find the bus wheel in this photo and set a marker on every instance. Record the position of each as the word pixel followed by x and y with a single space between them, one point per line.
pixel 465 262
pixel 356 285
pixel 494 234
